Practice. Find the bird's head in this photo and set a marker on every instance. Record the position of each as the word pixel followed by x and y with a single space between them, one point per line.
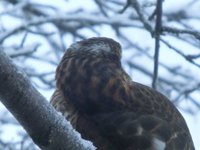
pixel 98 46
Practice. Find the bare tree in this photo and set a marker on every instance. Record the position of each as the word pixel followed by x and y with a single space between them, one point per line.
pixel 35 35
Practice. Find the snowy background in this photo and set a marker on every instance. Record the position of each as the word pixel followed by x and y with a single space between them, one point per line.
pixel 36 33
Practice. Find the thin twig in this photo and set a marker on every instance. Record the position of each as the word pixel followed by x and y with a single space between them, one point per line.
pixel 157 40
pixel 145 22
pixel 135 4
pixel 187 57
pixel 177 31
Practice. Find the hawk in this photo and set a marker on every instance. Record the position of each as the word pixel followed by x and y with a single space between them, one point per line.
pixel 103 103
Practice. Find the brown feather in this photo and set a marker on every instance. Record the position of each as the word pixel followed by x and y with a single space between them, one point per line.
pixel 110 109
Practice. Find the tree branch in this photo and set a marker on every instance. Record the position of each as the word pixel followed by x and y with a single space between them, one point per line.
pixel 177 31
pixel 136 6
pixel 157 40
pixel 47 128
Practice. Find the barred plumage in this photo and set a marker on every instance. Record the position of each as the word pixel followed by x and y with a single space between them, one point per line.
pixel 108 108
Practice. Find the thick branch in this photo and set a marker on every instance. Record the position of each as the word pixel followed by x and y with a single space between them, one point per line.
pixel 47 128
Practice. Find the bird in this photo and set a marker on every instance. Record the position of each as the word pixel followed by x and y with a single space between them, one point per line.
pixel 107 107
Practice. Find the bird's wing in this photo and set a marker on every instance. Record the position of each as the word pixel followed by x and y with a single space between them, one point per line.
pixel 127 131
pixel 80 122
pixel 61 104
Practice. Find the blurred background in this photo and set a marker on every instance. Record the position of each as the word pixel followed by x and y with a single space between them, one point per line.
pixel 35 34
